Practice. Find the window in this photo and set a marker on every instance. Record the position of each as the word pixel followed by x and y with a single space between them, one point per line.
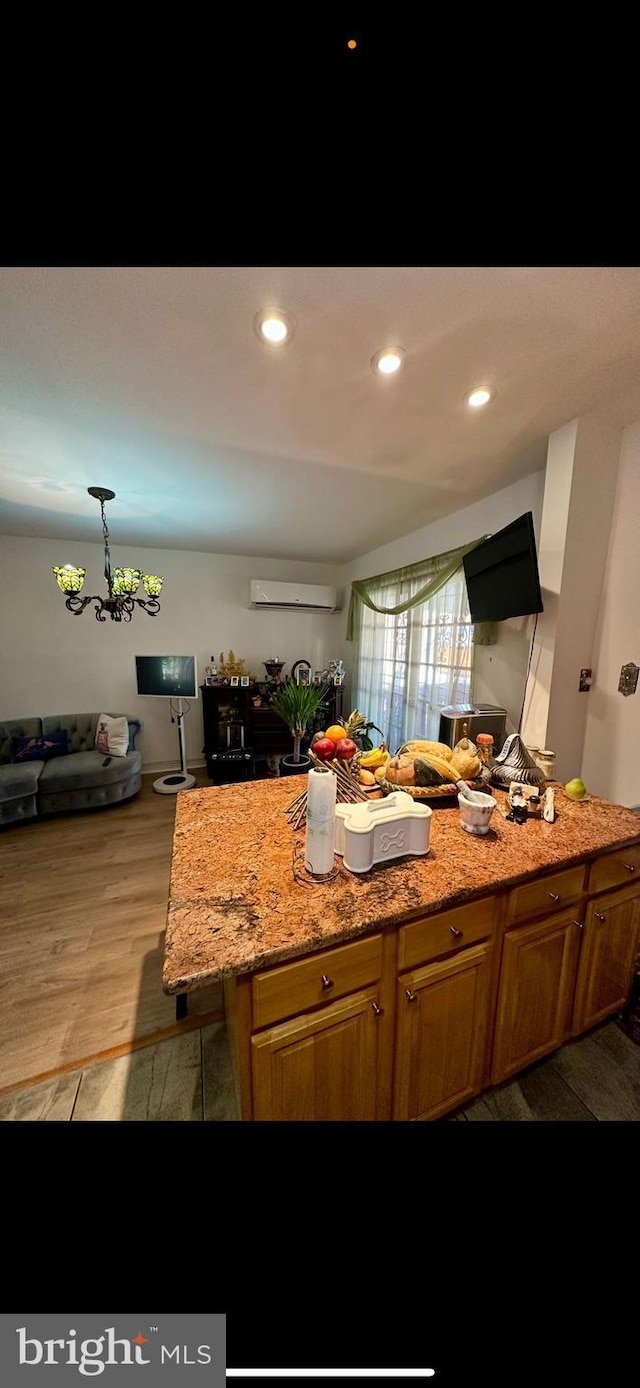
pixel 410 666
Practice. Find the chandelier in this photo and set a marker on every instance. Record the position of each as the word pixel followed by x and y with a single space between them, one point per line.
pixel 121 584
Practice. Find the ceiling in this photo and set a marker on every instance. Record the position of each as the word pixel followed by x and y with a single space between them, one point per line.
pixel 152 381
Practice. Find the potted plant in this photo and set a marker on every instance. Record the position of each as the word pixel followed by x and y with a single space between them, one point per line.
pixel 296 704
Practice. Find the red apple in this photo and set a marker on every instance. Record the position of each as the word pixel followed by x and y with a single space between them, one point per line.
pixel 324 749
pixel 345 749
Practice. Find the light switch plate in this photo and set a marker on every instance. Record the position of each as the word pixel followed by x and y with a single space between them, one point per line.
pixel 629 679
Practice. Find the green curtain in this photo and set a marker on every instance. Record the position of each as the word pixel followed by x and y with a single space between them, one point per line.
pixel 436 572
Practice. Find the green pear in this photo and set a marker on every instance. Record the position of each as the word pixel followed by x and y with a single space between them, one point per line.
pixel 576 789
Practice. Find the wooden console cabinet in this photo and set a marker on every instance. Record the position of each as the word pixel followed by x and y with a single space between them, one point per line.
pixel 415 1020
pixel 264 733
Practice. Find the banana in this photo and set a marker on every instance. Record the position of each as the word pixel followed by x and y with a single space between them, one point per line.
pixel 376 757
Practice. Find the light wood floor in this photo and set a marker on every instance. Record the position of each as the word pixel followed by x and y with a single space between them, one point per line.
pixel 83 901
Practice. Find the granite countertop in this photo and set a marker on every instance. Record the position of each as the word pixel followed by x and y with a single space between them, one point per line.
pixel 235 905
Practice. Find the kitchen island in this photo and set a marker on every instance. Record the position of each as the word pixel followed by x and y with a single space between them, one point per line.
pixel 403 992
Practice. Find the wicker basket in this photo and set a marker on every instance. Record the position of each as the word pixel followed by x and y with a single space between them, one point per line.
pixel 428 792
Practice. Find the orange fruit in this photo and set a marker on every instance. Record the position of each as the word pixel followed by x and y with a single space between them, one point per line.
pixel 335 732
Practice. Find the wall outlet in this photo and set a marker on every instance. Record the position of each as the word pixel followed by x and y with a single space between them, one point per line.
pixel 586 679
pixel 629 678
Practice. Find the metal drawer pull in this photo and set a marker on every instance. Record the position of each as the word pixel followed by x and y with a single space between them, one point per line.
pixel 578 923
pixel 457 933
pixel 379 1011
pixel 553 896
pixel 327 982
pixel 629 867
pixel 599 917
pixel 410 996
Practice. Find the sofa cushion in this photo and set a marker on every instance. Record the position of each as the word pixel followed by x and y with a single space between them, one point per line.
pixel 112 736
pixel 85 770
pixel 41 748
pixel 17 780
pixel 16 727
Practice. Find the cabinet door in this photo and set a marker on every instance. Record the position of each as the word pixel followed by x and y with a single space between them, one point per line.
pixel 321 1066
pixel 535 997
pixel 607 959
pixel 442 1013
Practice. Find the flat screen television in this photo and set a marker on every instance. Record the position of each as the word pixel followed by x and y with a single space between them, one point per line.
pixel 502 574
pixel 167 676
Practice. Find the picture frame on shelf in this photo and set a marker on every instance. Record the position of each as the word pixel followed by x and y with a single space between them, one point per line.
pixel 235 680
pixel 301 671
pixel 244 680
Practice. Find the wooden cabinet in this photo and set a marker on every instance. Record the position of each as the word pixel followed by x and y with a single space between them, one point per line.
pixel 232 724
pixel 321 1066
pixel 313 1038
pixel 442 1020
pixel 414 1020
pixel 568 970
pixel 535 999
pixel 610 941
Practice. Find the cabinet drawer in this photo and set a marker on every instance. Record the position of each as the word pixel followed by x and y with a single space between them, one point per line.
pixel 618 869
pixel 436 935
pixel 546 895
pixel 293 988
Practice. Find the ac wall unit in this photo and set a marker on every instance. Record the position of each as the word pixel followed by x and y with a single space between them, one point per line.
pixel 306 597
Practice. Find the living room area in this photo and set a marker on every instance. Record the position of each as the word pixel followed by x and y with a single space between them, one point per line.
pixel 223 476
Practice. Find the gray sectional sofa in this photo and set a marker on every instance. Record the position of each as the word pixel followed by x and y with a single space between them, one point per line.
pixel 78 780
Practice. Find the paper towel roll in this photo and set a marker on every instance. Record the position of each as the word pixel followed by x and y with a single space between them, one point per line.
pixel 321 805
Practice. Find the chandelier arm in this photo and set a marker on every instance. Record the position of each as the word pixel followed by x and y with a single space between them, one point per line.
pixel 150 607
pixel 77 605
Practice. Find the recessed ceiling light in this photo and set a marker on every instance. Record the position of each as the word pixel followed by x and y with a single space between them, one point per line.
pixel 481 395
pixel 274 326
pixel 388 361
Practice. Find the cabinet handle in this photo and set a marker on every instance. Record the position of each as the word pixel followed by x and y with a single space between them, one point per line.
pixel 456 933
pixel 599 917
pixel 629 867
pixel 578 923
pixel 553 896
pixel 379 1011
pixel 411 997
pixel 327 982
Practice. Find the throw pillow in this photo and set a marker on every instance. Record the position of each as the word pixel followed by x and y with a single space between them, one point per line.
pixel 112 736
pixel 42 748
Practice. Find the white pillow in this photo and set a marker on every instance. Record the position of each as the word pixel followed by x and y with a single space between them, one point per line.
pixel 112 736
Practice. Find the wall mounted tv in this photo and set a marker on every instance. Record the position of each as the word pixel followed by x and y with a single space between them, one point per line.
pixel 167 676
pixel 502 574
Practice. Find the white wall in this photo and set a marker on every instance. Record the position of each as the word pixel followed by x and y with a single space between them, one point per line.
pixel 611 761
pixel 580 489
pixel 54 662
pixel 500 670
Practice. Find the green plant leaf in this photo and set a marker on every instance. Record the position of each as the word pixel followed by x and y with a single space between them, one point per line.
pixel 296 704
